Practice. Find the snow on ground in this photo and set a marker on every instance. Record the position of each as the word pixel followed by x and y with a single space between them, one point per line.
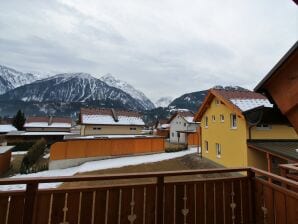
pixel 97 165
pixel 46 156
pixel 19 153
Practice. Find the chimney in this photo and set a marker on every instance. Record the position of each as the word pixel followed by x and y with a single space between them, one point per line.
pixel 50 120
pixel 114 115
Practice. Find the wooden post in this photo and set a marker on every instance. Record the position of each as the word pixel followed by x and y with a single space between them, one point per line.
pixel 269 165
pixel 283 173
pixel 251 198
pixel 30 198
pixel 160 205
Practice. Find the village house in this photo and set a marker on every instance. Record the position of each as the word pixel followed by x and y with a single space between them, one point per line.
pixel 52 129
pixel 48 124
pixel 181 123
pixel 162 128
pixel 110 122
pixel 231 120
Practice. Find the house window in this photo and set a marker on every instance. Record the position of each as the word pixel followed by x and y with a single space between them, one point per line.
pixel 221 118
pixel 96 128
pixel 206 146
pixel 233 121
pixel 264 127
pixel 218 150
pixel 184 124
pixel 206 122
pixel 173 134
pixel 213 118
pixel 217 102
pixel 133 129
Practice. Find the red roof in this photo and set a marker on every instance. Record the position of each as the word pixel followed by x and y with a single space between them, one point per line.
pixel 226 96
pixel 238 94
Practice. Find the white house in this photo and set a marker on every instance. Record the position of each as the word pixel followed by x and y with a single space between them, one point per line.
pixel 182 123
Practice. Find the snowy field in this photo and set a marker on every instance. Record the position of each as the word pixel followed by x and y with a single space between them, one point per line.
pixel 97 165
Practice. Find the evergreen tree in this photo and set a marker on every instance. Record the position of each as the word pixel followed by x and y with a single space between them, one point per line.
pixel 19 120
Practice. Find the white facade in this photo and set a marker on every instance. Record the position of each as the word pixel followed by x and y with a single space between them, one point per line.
pixel 179 123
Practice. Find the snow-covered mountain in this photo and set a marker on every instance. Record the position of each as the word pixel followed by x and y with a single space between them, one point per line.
pixel 73 87
pixel 10 78
pixel 163 102
pixel 136 94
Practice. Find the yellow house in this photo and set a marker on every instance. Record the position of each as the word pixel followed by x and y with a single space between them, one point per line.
pixel 238 126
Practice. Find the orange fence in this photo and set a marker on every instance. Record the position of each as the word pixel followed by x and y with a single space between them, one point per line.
pixel 5 161
pixel 193 139
pixel 163 133
pixel 73 149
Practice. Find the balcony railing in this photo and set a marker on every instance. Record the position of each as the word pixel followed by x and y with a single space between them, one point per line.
pixel 237 195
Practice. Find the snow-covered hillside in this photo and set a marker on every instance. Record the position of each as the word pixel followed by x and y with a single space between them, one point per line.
pixel 72 87
pixel 136 94
pixel 10 78
pixel 163 102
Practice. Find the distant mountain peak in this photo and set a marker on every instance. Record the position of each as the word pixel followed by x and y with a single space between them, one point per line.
pixel 126 87
pixel 11 78
pixel 163 101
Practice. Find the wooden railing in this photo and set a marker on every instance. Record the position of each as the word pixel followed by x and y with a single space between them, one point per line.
pixel 289 171
pixel 193 196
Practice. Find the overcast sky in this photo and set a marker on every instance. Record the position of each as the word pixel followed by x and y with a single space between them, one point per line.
pixel 162 47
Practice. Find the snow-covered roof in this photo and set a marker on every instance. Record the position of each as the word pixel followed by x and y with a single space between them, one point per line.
pixel 110 117
pixel 4 128
pixel 248 104
pixel 48 122
pixel 37 133
pixel 165 125
pixel 189 119
pixel 110 136
pixel 4 149
pixel 108 120
pixel 47 125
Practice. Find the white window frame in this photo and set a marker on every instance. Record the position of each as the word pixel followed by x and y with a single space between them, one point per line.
pixel 233 124
pixel 217 102
pixel 213 118
pixel 218 150
pixel 222 118
pixel 206 146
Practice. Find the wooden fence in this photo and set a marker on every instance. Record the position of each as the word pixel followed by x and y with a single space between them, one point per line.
pixel 251 198
pixel 84 148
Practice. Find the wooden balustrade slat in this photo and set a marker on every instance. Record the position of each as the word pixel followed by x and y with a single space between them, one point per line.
pixel 113 206
pixel 190 203
pixel 219 202
pixel 227 198
pixel 3 207
pixel 100 206
pixel 57 208
pixel 16 209
pixel 280 208
pixel 73 200
pixel 160 197
pixel 170 208
pixel 86 207
pixel 292 210
pixel 150 204
pixel 200 203
pixel 43 203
